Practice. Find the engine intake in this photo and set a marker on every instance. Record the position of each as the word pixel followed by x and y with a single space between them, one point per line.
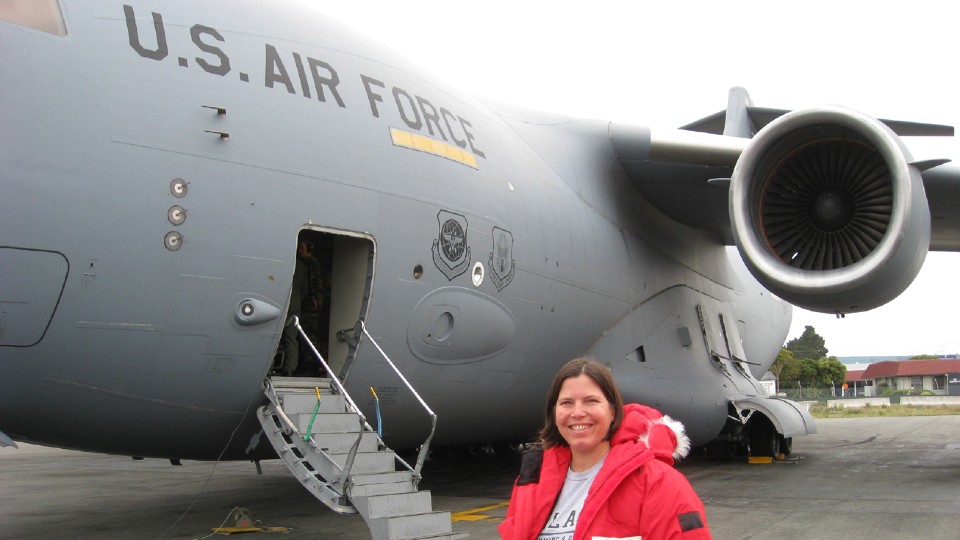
pixel 827 211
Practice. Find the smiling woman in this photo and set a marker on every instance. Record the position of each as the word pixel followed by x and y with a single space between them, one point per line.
pixel 590 437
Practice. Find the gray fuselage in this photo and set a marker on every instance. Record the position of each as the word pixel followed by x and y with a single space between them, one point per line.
pixel 158 167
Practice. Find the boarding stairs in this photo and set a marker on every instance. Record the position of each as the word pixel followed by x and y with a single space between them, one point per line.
pixel 322 437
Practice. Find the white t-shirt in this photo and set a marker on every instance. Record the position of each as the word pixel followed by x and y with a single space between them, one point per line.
pixel 563 518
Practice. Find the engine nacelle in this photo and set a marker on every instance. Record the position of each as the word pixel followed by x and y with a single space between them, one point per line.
pixel 827 211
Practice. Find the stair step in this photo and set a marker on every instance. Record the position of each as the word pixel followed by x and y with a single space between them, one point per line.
pixel 368 462
pixel 363 479
pixel 369 484
pixel 449 536
pixel 413 525
pixel 340 443
pixel 294 403
pixel 326 423
pixel 388 505
pixel 284 383
pixel 387 488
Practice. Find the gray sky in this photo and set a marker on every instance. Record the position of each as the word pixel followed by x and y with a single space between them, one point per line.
pixel 667 63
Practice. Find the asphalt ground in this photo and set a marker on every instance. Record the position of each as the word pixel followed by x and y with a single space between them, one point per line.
pixel 857 478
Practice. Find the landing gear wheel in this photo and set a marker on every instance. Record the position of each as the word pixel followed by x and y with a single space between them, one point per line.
pixel 786 445
pixel 764 439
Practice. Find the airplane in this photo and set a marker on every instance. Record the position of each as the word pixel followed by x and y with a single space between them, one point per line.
pixel 161 163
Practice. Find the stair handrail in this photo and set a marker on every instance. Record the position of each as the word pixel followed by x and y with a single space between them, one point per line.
pixel 422 456
pixel 344 478
pixel 330 373
pixel 424 448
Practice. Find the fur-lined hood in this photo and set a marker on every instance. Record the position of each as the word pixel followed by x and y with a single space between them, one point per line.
pixel 664 436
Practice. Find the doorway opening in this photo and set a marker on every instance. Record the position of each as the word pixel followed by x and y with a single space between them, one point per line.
pixel 330 293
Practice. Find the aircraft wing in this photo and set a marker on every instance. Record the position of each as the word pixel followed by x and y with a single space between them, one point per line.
pixel 684 174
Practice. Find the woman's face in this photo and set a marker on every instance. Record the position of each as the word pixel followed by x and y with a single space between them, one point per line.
pixel 583 415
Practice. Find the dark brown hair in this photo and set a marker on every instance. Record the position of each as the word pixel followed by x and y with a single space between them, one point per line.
pixel 550 435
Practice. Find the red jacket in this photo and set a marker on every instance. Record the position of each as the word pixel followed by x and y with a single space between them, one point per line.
pixel 636 494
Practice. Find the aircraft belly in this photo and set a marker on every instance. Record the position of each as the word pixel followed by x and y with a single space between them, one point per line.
pixel 99 416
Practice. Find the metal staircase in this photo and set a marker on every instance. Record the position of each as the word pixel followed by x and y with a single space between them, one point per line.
pixel 325 441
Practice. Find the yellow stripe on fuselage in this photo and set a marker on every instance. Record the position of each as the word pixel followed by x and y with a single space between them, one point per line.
pixel 416 141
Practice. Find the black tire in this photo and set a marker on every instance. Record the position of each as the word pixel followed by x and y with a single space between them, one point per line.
pixel 786 445
pixel 764 439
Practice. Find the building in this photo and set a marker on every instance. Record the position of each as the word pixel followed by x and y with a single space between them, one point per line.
pixel 942 377
pixel 857 385
pixel 769 383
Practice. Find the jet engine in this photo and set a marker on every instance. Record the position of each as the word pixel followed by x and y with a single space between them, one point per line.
pixel 828 212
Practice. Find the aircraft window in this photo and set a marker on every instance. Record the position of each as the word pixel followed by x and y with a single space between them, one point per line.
pixel 43 15
pixel 477 274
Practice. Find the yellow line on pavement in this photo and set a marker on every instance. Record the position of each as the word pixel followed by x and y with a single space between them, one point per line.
pixel 473 515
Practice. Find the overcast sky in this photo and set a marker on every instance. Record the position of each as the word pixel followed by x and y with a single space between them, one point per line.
pixel 668 63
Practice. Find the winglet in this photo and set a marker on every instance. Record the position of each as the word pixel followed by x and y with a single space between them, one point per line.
pixel 741 119
pixel 737 120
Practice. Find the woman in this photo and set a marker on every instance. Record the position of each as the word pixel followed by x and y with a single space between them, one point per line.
pixel 605 470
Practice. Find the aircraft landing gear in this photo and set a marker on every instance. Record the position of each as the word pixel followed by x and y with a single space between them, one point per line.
pixel 764 440
pixel 758 441
pixel 786 445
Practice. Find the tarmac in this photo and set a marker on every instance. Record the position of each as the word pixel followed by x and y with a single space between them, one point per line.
pixel 875 478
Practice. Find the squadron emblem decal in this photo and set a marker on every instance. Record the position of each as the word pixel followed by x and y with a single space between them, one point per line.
pixel 450 251
pixel 502 266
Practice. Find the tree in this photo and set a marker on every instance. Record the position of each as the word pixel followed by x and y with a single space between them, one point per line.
pixel 787 369
pixel 784 360
pixel 924 357
pixel 809 345
pixel 831 371
pixel 808 372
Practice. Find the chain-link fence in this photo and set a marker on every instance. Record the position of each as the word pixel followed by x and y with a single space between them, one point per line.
pixel 808 393
pixel 812 393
